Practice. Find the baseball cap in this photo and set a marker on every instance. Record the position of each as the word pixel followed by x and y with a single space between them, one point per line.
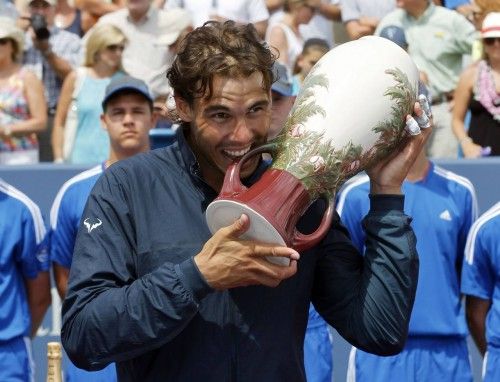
pixel 8 29
pixel 395 34
pixel 491 25
pixel 125 83
pixel 171 23
pixel 283 84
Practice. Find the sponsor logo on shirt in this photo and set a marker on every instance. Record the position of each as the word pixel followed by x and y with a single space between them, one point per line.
pixel 92 223
pixel 445 215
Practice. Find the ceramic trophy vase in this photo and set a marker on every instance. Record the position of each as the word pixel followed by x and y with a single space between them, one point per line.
pixel 350 113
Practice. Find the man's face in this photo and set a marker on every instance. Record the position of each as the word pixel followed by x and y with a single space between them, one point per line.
pixel 306 61
pixel 128 119
pixel 281 107
pixel 228 125
pixel 43 8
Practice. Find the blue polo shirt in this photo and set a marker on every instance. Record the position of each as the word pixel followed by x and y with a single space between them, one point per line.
pixel 443 206
pixel 66 212
pixel 480 275
pixel 23 254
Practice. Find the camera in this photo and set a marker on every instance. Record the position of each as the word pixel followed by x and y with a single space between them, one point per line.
pixel 39 25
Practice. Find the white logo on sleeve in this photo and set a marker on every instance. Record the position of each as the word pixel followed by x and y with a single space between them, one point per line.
pixel 445 215
pixel 91 224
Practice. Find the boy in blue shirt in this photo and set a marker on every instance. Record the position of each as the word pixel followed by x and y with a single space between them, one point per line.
pixel 481 285
pixel 443 206
pixel 24 281
pixel 128 117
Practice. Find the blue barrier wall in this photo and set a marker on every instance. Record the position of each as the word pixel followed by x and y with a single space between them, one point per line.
pixel 42 181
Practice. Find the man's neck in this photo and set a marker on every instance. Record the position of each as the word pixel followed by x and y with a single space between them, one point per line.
pixel 118 156
pixel 137 16
pixel 419 169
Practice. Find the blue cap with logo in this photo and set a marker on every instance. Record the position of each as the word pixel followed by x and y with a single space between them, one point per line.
pixel 125 83
pixel 395 34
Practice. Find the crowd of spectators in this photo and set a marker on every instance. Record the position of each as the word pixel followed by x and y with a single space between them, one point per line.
pixel 443 39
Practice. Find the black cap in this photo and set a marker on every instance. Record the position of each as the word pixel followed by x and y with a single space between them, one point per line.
pixel 125 83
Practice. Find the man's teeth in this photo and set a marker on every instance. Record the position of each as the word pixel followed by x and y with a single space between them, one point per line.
pixel 238 153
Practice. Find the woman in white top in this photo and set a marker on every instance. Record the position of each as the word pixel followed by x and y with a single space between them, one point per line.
pixel 284 36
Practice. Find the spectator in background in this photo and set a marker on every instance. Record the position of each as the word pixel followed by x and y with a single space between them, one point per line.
pixel 25 282
pixel 313 50
pixel 240 11
pixel 92 10
pixel 51 53
pixel 478 91
pixel 23 110
pixel 68 18
pixel 127 119
pixel 438 38
pixel 147 55
pixel 481 286
pixel 361 17
pixel 321 25
pixel 103 62
pixel 464 7
pixel 443 207
pixel 284 36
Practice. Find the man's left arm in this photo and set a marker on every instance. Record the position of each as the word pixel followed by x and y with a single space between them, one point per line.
pixel 369 299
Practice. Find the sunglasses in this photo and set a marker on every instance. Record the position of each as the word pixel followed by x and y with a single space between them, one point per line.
pixel 491 40
pixel 115 47
pixel 4 41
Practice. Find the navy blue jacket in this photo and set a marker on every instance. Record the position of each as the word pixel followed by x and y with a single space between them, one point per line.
pixel 136 297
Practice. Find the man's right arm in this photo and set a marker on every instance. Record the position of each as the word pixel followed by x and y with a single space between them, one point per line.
pixel 110 314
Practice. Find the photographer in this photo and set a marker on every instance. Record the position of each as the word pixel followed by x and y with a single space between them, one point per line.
pixel 51 54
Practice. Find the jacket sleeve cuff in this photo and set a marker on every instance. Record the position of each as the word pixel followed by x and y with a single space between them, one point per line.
pixel 192 279
pixel 384 203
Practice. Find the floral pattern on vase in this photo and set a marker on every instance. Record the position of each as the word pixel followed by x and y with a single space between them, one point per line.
pixel 315 160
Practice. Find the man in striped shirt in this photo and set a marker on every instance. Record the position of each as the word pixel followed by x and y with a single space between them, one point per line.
pixel 481 285
pixel 443 206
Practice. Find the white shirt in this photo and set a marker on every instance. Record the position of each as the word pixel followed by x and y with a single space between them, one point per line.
pixel 241 11
pixel 143 57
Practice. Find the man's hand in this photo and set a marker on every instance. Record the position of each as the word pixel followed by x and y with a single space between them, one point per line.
pixel 387 176
pixel 41 45
pixel 228 262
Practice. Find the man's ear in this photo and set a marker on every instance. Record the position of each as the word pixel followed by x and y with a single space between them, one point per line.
pixel 183 109
pixel 104 126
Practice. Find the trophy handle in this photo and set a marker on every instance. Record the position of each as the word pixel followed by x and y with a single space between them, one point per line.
pixel 232 182
pixel 301 242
